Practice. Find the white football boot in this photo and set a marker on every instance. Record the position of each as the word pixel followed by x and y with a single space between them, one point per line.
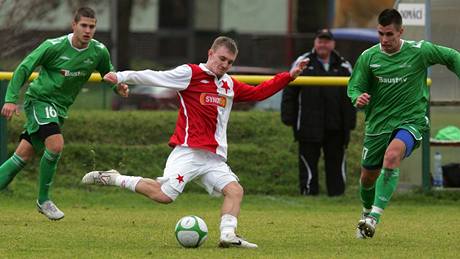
pixel 367 226
pixel 100 177
pixel 359 233
pixel 49 209
pixel 232 240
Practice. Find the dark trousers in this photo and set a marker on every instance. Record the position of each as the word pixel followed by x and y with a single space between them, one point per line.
pixel 334 159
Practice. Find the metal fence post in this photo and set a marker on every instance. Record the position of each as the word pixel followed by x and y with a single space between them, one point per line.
pixel 426 176
pixel 426 154
pixel 3 129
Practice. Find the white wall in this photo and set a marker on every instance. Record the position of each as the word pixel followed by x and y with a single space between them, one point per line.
pixel 258 16
pixel 263 16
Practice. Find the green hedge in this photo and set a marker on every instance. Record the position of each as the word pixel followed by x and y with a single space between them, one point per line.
pixel 261 149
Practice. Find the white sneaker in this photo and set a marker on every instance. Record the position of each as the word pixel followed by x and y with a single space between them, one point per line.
pixel 367 226
pixel 232 240
pixel 100 177
pixel 360 234
pixel 49 209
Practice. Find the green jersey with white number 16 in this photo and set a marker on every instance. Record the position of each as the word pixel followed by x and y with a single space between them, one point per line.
pixel 64 70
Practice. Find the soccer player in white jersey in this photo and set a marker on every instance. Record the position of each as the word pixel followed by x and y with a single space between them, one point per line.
pixel 206 94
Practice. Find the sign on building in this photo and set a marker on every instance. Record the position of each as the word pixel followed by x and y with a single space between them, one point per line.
pixel 412 14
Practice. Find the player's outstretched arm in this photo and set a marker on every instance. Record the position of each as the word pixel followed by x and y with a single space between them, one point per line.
pixel 9 109
pixel 245 92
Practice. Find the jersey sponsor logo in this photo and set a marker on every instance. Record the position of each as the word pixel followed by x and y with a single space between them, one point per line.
pixel 374 65
pixel 213 99
pixel 204 81
pixel 392 80
pixel 68 73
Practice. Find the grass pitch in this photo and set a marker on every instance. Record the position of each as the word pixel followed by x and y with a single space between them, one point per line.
pixel 112 223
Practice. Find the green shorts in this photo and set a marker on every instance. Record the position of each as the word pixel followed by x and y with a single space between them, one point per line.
pixel 40 113
pixel 374 146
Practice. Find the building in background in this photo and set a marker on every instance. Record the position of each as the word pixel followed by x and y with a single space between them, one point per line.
pixel 270 33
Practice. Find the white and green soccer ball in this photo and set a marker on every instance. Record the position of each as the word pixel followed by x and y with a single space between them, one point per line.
pixel 191 231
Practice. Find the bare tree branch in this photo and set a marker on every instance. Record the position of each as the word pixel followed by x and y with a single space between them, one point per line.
pixel 16 13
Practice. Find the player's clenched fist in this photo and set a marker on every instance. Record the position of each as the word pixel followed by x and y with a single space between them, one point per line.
pixel 111 77
pixel 123 89
pixel 363 100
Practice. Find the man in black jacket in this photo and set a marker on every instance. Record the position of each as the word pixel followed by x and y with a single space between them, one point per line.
pixel 321 117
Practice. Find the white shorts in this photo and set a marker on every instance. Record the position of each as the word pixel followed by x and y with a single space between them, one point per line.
pixel 188 164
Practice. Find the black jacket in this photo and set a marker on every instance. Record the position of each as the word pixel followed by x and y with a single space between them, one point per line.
pixel 319 108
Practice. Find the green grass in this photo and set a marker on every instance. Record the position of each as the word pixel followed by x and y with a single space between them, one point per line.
pixel 111 223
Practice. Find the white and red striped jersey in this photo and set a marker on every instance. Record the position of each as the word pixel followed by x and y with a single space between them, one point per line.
pixel 205 101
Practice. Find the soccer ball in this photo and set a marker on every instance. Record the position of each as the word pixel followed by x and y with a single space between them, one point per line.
pixel 191 231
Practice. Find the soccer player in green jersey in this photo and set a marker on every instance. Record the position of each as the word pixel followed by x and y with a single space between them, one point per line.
pixel 66 65
pixel 389 84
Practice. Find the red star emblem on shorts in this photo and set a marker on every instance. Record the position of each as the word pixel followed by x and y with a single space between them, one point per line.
pixel 180 178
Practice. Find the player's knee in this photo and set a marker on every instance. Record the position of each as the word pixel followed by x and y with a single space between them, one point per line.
pixel 156 194
pixel 391 159
pixel 55 145
pixel 234 190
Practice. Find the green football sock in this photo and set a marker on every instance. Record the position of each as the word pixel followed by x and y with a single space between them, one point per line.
pixel 48 165
pixel 384 188
pixel 367 195
pixel 9 169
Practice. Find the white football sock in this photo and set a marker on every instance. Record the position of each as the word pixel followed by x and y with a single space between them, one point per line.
pixel 228 224
pixel 128 182
pixel 377 210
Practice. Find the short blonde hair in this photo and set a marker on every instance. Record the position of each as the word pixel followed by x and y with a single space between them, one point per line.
pixel 227 42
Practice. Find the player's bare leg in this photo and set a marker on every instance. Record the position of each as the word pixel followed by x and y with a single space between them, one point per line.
pixel 233 195
pixel 152 189
pixel 145 186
